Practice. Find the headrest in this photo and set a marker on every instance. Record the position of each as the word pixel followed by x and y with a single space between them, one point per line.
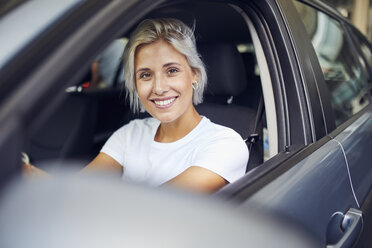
pixel 225 69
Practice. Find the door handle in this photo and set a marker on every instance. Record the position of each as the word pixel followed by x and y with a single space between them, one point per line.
pixel 349 226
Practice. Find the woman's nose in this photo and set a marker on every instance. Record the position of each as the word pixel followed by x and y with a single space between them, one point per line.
pixel 159 86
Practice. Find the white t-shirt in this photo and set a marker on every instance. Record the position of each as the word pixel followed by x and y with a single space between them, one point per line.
pixel 214 147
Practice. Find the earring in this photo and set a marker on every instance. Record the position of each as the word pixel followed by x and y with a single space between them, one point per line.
pixel 195 85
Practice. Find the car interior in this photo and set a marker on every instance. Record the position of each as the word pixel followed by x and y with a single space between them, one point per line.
pixel 89 114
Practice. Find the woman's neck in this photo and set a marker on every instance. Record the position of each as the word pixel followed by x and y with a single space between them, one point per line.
pixel 173 131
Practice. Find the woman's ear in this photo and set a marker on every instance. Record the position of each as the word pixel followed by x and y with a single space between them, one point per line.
pixel 195 75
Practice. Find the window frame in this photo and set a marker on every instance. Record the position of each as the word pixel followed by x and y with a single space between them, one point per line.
pixel 269 19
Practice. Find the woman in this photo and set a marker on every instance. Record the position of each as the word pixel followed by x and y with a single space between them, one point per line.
pixel 165 76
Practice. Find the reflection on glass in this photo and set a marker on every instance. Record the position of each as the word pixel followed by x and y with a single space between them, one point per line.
pixel 340 68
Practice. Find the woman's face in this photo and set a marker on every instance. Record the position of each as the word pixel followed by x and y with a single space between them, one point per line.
pixel 164 81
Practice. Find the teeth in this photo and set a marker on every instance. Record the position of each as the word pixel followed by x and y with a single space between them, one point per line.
pixel 166 102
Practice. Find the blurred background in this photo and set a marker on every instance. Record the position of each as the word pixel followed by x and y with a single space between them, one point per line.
pixel 359 12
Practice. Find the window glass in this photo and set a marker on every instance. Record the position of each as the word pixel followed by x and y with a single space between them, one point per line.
pixel 342 73
pixel 107 70
pixel 367 53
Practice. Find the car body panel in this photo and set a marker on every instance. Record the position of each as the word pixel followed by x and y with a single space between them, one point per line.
pixel 311 191
pixel 113 213
pixel 356 140
pixel 28 21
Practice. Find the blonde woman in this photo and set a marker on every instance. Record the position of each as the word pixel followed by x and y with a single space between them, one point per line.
pixel 165 76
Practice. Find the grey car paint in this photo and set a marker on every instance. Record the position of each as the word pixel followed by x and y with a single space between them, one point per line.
pixel 356 140
pixel 311 191
pixel 92 211
pixel 28 21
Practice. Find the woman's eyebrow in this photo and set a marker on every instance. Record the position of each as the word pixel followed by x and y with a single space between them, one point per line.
pixel 171 63
pixel 142 69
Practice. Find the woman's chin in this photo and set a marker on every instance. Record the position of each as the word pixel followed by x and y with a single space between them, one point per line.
pixel 165 118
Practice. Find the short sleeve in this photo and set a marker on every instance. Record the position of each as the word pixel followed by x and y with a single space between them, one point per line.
pixel 115 145
pixel 226 154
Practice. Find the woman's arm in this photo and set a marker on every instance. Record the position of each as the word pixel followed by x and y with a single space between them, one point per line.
pixel 103 162
pixel 198 179
pixel 29 170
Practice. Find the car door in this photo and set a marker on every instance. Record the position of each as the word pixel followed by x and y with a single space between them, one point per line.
pixel 309 180
pixel 356 138
pixel 350 101
pixel 359 134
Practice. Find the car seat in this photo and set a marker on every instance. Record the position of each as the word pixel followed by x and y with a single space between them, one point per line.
pixel 226 99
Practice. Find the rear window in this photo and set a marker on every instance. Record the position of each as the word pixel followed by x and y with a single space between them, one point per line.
pixel 341 70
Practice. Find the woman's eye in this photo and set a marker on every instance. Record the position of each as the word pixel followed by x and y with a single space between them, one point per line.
pixel 145 75
pixel 172 70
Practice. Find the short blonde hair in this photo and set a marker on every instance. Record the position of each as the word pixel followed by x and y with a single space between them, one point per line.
pixel 177 34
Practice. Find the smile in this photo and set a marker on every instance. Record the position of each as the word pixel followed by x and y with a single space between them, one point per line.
pixel 164 103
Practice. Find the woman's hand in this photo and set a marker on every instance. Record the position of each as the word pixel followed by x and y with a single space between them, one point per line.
pixel 102 162
pixel 29 170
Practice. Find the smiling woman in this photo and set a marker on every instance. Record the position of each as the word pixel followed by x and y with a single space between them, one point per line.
pixel 165 76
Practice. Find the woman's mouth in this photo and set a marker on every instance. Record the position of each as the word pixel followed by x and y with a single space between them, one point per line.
pixel 164 103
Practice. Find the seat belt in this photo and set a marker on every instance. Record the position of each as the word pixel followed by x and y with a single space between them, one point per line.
pixel 252 140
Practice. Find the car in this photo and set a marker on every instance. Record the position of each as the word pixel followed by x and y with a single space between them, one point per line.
pixel 292 77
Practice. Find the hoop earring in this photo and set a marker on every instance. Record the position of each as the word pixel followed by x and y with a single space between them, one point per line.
pixel 195 85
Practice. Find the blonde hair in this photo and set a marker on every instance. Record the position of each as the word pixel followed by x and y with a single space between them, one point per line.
pixel 177 34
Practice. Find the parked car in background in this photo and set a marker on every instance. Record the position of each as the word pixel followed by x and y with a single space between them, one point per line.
pixel 292 77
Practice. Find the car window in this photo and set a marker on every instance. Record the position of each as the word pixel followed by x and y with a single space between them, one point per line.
pixel 107 69
pixel 367 54
pixel 342 73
